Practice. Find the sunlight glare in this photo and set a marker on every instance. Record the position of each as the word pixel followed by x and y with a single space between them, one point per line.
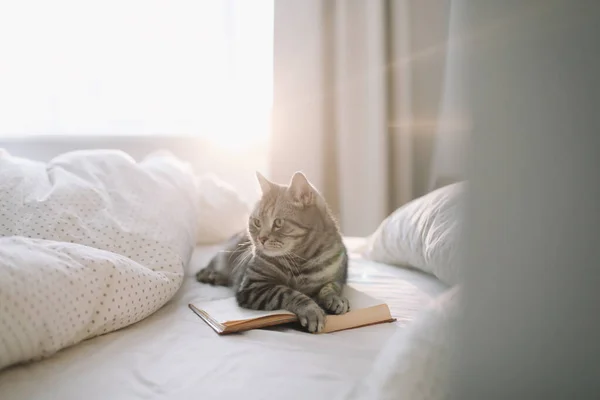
pixel 137 67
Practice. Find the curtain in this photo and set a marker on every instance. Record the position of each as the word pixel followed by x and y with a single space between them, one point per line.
pixel 356 93
pixel 453 129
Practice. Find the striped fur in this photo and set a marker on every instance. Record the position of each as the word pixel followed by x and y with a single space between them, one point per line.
pixel 302 264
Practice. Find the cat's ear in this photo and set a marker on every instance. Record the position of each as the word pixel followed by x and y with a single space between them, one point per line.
pixel 265 184
pixel 301 190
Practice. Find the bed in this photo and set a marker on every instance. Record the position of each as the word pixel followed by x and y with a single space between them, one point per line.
pixel 172 354
pixel 98 256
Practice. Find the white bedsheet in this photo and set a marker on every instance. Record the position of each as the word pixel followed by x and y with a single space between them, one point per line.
pixel 174 355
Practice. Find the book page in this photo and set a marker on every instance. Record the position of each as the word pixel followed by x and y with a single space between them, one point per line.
pixel 227 310
pixel 359 299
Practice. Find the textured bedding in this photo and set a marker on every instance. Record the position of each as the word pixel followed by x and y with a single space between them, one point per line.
pixel 91 242
pixel 172 354
pixel 424 234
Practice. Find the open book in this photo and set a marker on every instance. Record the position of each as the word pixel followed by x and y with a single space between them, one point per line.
pixel 225 316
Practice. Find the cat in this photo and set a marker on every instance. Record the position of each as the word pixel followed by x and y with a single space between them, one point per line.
pixel 290 257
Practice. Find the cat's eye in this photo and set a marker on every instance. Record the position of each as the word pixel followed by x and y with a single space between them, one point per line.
pixel 256 222
pixel 278 223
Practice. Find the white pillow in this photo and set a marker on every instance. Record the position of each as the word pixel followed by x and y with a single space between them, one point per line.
pixel 423 234
pixel 221 211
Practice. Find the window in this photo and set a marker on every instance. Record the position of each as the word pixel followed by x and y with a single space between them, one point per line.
pixel 136 67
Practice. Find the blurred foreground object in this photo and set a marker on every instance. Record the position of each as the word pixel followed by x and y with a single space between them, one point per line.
pixel 532 270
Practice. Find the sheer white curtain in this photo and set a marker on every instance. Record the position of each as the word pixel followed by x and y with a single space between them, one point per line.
pixel 136 67
pixel 357 90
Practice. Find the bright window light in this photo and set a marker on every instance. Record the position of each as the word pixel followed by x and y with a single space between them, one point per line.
pixel 137 67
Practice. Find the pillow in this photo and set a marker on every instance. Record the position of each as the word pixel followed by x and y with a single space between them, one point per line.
pixel 221 211
pixel 423 234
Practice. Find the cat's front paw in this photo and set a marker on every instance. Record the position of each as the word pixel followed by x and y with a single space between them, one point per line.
pixel 212 277
pixel 312 317
pixel 335 304
pixel 206 275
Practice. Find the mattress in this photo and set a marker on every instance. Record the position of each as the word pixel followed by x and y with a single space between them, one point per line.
pixel 174 355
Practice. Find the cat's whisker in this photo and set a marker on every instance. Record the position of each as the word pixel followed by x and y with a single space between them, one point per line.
pixel 241 258
pixel 245 256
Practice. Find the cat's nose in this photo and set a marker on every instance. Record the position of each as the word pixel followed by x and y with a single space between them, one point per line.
pixel 262 239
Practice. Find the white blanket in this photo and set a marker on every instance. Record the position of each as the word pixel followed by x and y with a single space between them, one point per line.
pixel 414 364
pixel 89 243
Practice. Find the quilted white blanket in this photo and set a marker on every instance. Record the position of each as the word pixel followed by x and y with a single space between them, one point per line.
pixel 89 243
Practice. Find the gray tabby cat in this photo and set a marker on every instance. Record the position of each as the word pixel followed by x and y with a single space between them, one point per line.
pixel 292 256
